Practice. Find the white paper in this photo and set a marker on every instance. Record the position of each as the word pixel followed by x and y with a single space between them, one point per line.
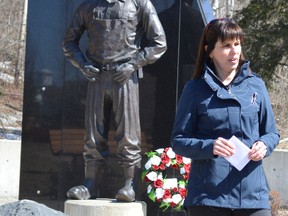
pixel 240 158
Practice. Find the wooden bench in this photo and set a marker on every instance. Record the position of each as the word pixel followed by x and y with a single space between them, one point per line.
pixel 70 141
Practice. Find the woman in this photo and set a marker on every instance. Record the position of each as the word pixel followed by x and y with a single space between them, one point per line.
pixel 223 99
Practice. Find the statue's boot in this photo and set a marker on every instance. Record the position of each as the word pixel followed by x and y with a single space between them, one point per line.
pixel 94 174
pixel 127 194
pixel 79 192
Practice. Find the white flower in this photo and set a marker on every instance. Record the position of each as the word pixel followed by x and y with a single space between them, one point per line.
pixel 186 160
pixel 160 150
pixel 168 200
pixel 149 188
pixel 160 176
pixel 155 160
pixel 176 198
pixel 159 192
pixel 152 176
pixel 169 164
pixel 182 171
pixel 171 154
pixel 148 165
pixel 170 183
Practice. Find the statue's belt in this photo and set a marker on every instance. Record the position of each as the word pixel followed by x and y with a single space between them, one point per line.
pixel 110 66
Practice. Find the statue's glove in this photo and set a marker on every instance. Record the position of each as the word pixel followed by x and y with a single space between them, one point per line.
pixel 90 72
pixel 123 73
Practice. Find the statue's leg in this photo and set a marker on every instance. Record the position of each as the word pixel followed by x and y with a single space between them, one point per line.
pixel 95 143
pixel 94 174
pixel 128 134
pixel 127 193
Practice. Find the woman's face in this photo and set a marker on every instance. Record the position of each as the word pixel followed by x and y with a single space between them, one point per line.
pixel 226 55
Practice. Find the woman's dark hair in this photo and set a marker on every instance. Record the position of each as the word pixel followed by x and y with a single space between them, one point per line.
pixel 217 29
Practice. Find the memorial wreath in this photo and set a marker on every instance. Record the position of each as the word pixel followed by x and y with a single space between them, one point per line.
pixel 169 192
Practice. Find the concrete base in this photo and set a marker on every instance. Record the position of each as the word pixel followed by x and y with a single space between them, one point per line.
pixel 104 207
pixel 10 155
pixel 276 172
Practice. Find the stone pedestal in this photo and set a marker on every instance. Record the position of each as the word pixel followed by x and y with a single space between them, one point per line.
pixel 10 155
pixel 104 207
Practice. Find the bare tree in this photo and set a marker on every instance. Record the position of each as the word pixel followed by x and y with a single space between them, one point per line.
pixel 12 44
pixel 226 8
pixel 10 25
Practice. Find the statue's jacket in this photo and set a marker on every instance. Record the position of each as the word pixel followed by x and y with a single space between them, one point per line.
pixel 115 31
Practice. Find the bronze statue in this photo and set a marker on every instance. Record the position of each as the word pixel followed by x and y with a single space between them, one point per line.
pixel 115 29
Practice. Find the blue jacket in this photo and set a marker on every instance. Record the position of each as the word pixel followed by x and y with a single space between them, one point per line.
pixel 208 110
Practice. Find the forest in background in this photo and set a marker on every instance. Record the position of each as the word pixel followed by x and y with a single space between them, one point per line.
pixel 12 55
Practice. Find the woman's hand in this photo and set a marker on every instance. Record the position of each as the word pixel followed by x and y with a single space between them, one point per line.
pixel 258 151
pixel 223 147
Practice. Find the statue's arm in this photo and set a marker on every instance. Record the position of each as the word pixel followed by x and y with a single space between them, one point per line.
pixel 72 37
pixel 155 36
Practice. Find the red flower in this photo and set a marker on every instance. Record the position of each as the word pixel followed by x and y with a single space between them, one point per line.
pixel 158 183
pixel 146 179
pixel 162 166
pixel 186 176
pixel 165 159
pixel 182 192
pixel 187 167
pixel 175 166
pixel 179 159
pixel 172 204
pixel 167 194
pixel 155 167
pixel 175 189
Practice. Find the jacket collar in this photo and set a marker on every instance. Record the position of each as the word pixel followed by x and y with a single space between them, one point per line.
pixel 213 81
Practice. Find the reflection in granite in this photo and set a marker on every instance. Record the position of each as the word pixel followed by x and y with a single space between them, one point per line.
pixel 175 67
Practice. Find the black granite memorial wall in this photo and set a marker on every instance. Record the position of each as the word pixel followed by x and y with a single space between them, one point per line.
pixel 55 97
